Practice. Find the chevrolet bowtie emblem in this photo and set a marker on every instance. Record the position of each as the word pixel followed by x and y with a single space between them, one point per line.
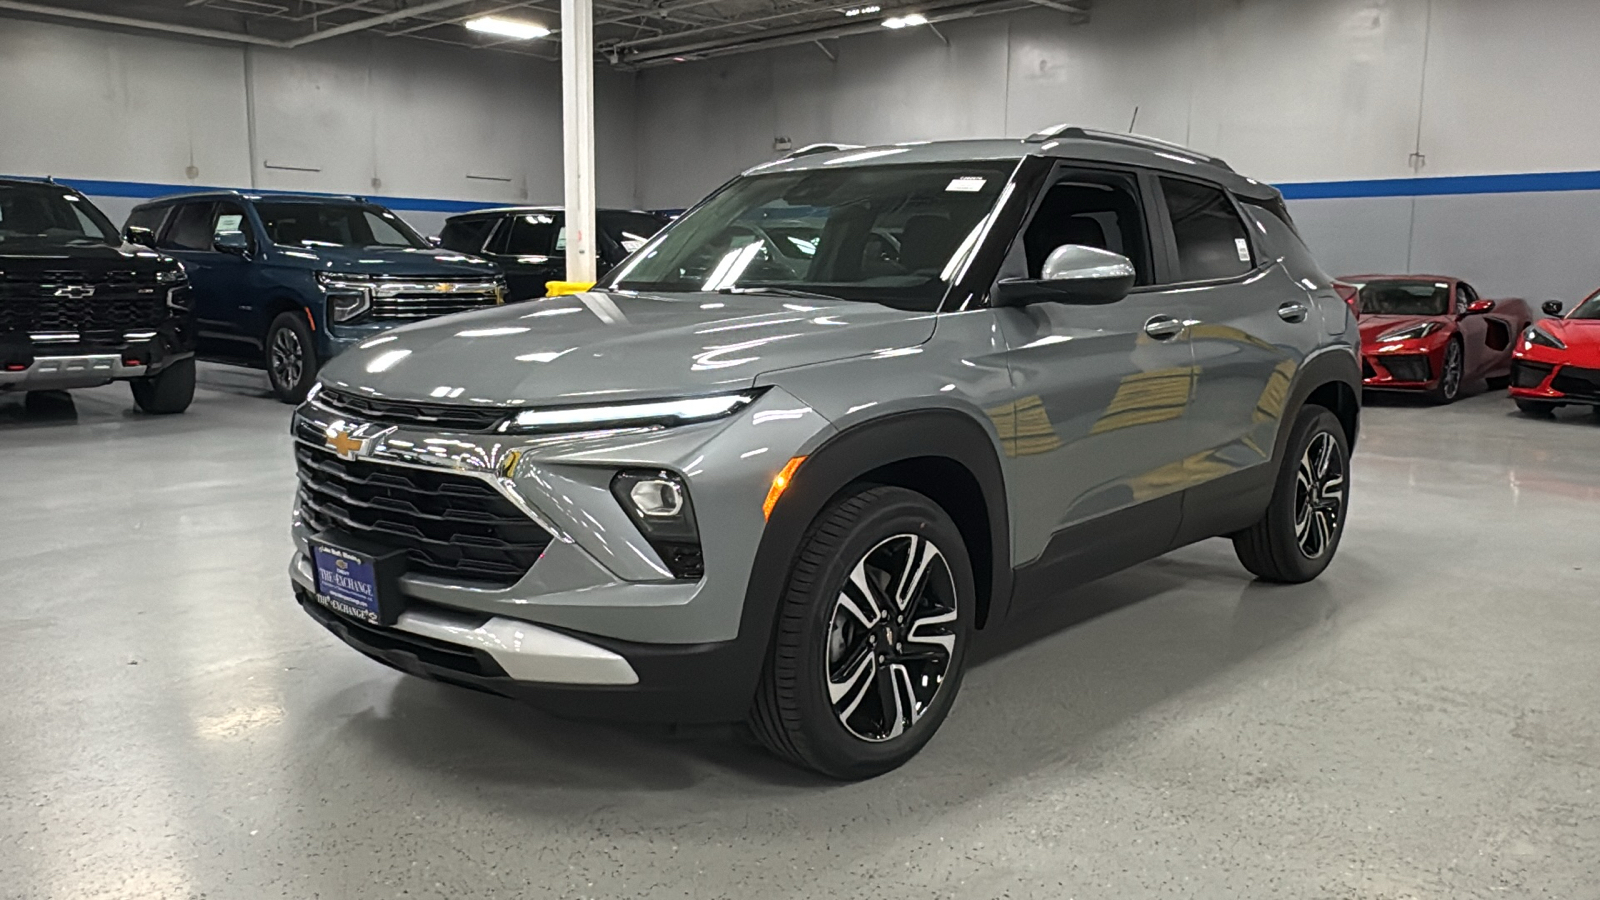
pixel 444 287
pixel 342 444
pixel 75 291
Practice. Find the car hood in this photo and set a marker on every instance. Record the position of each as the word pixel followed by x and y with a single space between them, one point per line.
pixel 28 257
pixel 1582 337
pixel 602 346
pixel 1373 327
pixel 430 262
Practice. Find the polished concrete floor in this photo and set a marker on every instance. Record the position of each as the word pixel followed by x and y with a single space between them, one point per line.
pixel 1422 722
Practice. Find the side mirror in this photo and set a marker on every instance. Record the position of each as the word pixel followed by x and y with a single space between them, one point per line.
pixel 1075 274
pixel 231 242
pixel 144 237
pixel 1479 307
pixel 1553 307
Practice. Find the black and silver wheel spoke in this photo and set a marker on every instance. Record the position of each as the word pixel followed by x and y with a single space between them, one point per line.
pixel 287 358
pixel 1319 496
pixel 891 637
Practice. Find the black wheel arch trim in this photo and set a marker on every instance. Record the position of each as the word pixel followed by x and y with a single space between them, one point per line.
pixel 852 456
pixel 1333 366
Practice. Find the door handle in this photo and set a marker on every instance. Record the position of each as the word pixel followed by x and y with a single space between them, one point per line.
pixel 1293 312
pixel 1163 327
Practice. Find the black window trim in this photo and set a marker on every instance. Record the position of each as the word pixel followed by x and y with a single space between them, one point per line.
pixel 1169 236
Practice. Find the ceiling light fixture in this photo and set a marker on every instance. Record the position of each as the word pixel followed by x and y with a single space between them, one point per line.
pixel 516 29
pixel 905 21
pixel 862 10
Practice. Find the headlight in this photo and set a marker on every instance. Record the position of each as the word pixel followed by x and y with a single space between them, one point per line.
pixel 349 296
pixel 1410 332
pixel 657 413
pixel 1538 336
pixel 174 275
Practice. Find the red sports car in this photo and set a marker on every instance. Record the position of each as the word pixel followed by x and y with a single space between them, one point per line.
pixel 1431 334
pixel 1558 360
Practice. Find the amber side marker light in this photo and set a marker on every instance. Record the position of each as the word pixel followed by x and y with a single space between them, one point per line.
pixel 780 483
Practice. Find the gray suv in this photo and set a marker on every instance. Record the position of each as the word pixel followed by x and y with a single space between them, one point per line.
pixel 783 462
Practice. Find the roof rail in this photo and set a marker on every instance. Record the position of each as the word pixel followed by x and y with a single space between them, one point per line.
pixel 1133 140
pixel 809 149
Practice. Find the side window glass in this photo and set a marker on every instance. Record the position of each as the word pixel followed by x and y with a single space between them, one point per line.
pixel 465 235
pixel 230 217
pixel 190 228
pixel 1465 296
pixel 1212 243
pixel 1092 209
pixel 536 234
pixel 147 218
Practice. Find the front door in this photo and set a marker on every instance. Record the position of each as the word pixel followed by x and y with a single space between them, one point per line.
pixel 218 281
pixel 1100 419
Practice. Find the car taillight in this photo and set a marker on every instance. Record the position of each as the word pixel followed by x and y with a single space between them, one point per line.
pixel 1351 295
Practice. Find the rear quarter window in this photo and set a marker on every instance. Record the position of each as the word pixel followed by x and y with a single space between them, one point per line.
pixel 1278 236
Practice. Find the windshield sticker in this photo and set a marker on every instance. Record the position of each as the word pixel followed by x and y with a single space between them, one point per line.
pixel 631 242
pixel 228 223
pixel 1244 249
pixel 966 184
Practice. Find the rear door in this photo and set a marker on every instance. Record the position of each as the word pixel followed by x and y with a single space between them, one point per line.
pixel 1252 326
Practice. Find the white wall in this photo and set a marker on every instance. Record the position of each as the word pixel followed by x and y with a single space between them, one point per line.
pixel 377 117
pixel 1286 90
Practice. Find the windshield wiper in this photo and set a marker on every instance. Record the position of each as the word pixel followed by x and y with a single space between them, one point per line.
pixel 779 292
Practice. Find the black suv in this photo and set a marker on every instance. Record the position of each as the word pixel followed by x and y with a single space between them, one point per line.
pixel 530 242
pixel 79 307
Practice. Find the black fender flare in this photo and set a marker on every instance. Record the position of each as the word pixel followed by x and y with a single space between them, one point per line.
pixel 854 455
pixel 1337 366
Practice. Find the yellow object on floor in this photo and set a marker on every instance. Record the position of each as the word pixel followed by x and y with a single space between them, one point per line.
pixel 563 288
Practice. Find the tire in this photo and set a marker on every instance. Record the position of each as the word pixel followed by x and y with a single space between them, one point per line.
pixel 1295 540
pixel 291 357
pixel 826 692
pixel 1451 374
pixel 167 392
pixel 1542 409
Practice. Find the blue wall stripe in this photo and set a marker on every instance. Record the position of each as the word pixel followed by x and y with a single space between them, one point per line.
pixel 1529 183
pixel 1536 182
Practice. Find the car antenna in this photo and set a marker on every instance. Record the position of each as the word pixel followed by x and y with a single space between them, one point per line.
pixel 1134 121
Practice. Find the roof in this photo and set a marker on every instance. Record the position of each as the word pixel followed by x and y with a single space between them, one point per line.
pixel 1062 142
pixel 1450 278
pixel 254 196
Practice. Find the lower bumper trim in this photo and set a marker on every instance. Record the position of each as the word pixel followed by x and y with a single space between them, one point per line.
pixel 57 372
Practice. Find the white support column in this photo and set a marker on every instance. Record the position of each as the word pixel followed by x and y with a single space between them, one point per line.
pixel 577 124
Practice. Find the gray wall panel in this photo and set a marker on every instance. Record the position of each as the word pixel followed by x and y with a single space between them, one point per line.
pixel 1355 237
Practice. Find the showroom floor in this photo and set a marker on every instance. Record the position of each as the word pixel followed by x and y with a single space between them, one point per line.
pixel 1419 723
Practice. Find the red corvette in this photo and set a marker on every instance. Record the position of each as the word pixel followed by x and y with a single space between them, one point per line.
pixel 1431 334
pixel 1558 360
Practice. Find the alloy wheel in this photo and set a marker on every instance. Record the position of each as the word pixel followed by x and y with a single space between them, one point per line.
pixel 288 358
pixel 891 638
pixel 1450 379
pixel 1319 495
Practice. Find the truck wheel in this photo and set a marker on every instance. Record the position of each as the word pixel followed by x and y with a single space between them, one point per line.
pixel 169 391
pixel 1297 537
pixel 872 636
pixel 291 357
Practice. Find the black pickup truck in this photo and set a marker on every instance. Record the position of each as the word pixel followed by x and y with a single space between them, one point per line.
pixel 80 307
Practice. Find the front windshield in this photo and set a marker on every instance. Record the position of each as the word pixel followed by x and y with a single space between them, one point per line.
pixel 45 214
pixel 295 223
pixel 1588 309
pixel 1405 298
pixel 886 234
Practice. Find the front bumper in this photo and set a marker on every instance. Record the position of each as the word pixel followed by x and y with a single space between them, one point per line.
pixel 1554 381
pixel 1402 365
pixel 68 361
pixel 690 645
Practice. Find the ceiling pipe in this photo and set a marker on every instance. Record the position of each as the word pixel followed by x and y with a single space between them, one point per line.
pixel 806 35
pixel 736 23
pixel 230 36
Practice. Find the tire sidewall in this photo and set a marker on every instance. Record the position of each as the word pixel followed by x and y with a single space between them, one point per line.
pixel 167 392
pixel 1440 393
pixel 899 511
pixel 1312 421
pixel 292 393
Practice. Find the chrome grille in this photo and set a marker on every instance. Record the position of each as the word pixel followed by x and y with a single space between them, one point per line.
pixel 450 526
pixel 418 299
